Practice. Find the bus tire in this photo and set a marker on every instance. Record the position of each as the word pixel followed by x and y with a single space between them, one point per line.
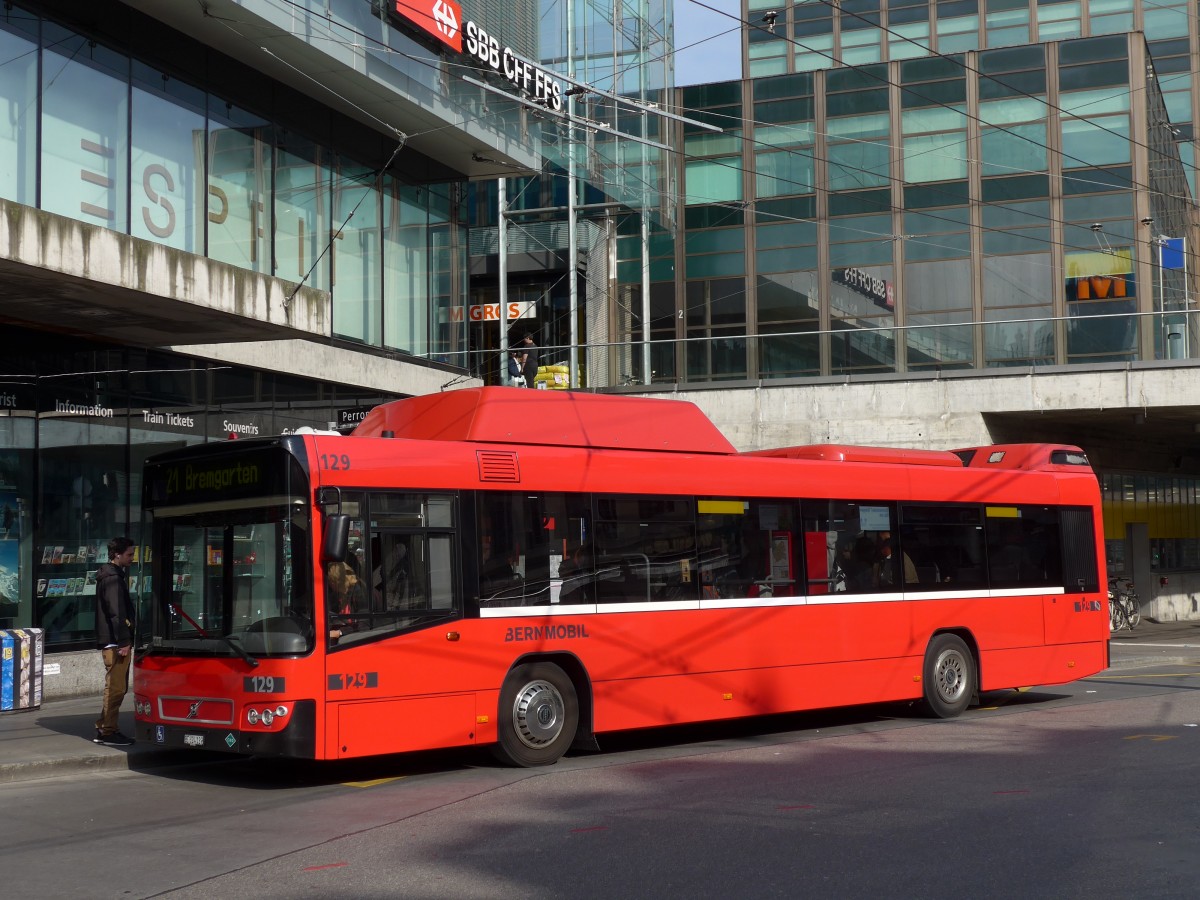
pixel 539 715
pixel 949 676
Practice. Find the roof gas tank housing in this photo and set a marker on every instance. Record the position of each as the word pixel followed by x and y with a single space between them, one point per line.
pixel 507 415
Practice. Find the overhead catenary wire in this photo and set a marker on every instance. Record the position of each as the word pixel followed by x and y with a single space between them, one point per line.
pixel 960 60
pixel 982 121
pixel 867 70
pixel 448 126
pixel 890 178
pixel 833 225
pixel 1075 176
pixel 438 62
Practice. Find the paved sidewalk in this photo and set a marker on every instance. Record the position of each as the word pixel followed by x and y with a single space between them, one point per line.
pixel 1151 643
pixel 57 739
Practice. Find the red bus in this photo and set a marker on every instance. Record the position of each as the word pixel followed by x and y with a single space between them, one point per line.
pixel 529 570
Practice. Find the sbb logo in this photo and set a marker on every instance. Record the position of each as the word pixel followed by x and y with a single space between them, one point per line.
pixel 447 20
pixel 439 18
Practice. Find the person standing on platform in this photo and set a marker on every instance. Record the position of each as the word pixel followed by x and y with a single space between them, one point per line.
pixel 115 616
pixel 529 360
pixel 515 378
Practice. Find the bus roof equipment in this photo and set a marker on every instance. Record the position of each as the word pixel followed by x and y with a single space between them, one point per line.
pixel 505 415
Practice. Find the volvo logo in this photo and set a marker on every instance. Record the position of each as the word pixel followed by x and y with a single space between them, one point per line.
pixel 194 709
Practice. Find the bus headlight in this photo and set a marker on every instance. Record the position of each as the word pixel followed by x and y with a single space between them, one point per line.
pixel 267 716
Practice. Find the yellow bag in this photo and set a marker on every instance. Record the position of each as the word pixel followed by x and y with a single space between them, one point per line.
pixel 553 378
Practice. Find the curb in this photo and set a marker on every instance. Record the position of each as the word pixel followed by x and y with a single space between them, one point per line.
pixel 55 767
pixel 1149 661
pixel 52 768
pixel 1128 656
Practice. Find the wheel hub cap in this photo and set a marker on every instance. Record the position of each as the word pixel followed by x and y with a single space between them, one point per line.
pixel 950 676
pixel 538 713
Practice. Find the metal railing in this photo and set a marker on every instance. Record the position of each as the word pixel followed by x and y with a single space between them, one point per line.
pixel 858 348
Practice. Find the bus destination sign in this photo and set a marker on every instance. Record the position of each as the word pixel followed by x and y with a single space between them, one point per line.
pixel 260 472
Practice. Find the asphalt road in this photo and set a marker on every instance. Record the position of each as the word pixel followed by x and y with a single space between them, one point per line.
pixel 1085 790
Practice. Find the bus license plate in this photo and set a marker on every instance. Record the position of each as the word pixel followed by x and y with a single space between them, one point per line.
pixel 193 740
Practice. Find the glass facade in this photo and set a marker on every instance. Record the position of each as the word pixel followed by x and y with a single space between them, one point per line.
pixel 1168 506
pixel 850 34
pixel 624 50
pixel 77 421
pixel 906 217
pixel 262 180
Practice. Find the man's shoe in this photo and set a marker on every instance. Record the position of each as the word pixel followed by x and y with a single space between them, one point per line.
pixel 116 739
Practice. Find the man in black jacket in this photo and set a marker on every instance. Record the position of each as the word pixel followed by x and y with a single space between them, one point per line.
pixel 529 360
pixel 114 636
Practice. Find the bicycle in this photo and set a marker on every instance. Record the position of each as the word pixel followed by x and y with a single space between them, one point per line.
pixel 1124 607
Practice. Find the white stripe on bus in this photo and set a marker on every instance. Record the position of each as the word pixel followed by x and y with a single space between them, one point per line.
pixel 835 599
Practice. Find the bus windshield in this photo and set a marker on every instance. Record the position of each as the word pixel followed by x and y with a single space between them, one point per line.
pixel 233 574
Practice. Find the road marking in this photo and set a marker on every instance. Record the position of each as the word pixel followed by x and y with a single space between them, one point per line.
pixel 1153 737
pixel 1158 675
pixel 373 783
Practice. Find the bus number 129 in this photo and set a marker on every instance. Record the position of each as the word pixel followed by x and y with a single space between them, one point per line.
pixel 263 684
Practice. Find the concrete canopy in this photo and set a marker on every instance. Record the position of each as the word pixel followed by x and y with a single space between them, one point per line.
pixel 67 276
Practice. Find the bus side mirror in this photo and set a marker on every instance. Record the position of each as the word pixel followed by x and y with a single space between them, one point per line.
pixel 337 538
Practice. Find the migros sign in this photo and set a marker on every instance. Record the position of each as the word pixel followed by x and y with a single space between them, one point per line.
pixel 442 20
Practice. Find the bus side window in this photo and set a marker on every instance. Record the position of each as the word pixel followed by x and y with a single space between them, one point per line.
pixel 1024 547
pixel 404 565
pixel 502 545
pixel 646 549
pixel 946 546
pixel 391 585
pixel 849 546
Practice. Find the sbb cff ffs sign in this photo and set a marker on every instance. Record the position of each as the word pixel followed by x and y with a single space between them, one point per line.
pixel 441 19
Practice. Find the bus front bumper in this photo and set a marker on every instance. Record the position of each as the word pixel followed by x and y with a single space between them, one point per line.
pixel 297 739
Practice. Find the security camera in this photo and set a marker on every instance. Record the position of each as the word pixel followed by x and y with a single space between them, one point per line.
pixel 1096 226
pixel 1147 220
pixel 769 18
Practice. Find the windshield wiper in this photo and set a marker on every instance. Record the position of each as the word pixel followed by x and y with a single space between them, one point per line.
pixel 224 638
pixel 239 649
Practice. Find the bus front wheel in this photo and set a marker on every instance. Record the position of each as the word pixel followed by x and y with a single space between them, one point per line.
pixel 539 713
pixel 949 676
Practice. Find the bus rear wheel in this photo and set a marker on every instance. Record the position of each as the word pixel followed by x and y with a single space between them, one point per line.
pixel 949 676
pixel 539 714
